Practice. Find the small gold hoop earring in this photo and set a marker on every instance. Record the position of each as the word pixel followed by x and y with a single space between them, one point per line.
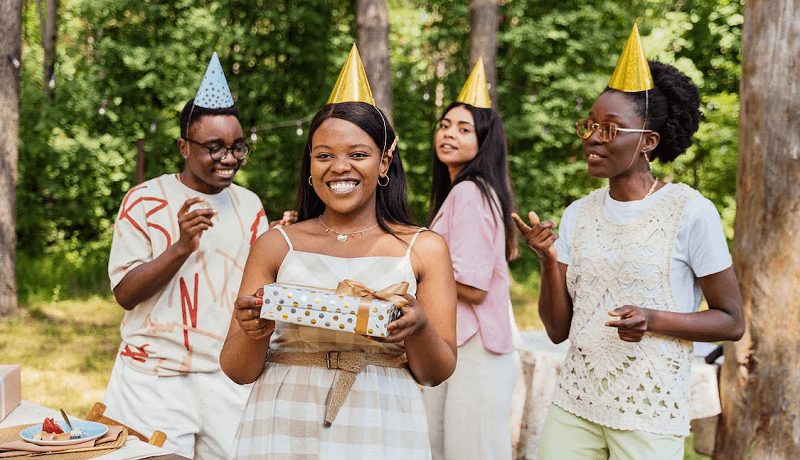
pixel 309 181
pixel 383 177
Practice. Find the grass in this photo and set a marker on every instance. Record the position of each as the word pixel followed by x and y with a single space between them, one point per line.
pixel 67 348
pixel 524 298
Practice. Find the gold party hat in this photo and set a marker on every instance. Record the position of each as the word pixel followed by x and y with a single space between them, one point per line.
pixel 475 91
pixel 633 72
pixel 352 84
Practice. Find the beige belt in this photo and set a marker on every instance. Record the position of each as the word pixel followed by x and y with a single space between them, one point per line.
pixel 349 362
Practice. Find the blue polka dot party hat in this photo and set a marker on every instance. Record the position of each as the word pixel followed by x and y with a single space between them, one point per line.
pixel 214 92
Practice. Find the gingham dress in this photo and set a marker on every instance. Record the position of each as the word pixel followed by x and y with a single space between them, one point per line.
pixel 383 416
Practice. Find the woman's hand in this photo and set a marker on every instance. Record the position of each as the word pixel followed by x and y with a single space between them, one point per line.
pixel 539 236
pixel 414 319
pixel 247 312
pixel 632 322
pixel 288 218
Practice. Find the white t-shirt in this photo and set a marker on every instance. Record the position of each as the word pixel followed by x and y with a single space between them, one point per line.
pixel 700 246
pixel 182 327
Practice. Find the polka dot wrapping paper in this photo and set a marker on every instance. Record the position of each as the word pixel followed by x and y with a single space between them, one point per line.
pixel 352 307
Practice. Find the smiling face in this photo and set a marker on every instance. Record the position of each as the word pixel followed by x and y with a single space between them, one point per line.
pixel 456 142
pixel 345 166
pixel 202 173
pixel 622 156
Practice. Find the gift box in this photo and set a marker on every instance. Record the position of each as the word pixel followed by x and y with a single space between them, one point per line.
pixel 352 307
pixel 10 388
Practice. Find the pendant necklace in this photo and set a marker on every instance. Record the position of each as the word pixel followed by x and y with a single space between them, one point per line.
pixel 650 192
pixel 342 237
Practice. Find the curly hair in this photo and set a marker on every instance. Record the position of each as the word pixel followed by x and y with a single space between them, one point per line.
pixel 672 109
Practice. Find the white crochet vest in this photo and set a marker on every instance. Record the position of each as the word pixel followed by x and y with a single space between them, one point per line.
pixel 622 385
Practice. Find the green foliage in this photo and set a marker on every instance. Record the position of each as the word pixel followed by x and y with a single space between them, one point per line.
pixel 710 164
pixel 554 58
pixel 125 68
pixel 69 270
pixel 70 176
pixel 124 71
pixel 282 60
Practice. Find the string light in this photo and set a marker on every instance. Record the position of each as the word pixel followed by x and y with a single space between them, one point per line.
pixel 281 124
pixel 298 124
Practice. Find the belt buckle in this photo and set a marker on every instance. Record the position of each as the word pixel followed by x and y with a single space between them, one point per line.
pixel 335 355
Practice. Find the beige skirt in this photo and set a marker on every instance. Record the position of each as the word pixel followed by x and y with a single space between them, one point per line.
pixel 383 416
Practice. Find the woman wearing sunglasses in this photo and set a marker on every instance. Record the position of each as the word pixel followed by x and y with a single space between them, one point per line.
pixel 624 277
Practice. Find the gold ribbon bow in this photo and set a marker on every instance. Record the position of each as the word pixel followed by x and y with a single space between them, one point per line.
pixel 352 288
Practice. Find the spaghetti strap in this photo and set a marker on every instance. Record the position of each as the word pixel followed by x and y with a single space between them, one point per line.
pixel 280 229
pixel 411 244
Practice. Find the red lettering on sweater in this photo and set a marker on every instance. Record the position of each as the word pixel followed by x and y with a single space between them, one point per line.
pixel 189 308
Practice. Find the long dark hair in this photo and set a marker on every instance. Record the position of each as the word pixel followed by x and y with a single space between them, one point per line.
pixel 488 170
pixel 391 200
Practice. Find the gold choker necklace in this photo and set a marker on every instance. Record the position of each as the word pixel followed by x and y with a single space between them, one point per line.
pixel 342 237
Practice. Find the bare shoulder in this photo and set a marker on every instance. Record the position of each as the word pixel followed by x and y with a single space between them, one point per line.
pixel 429 242
pixel 264 261
pixel 423 239
pixel 270 246
pixel 430 252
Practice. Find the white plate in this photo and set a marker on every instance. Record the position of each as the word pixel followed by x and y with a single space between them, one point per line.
pixel 91 430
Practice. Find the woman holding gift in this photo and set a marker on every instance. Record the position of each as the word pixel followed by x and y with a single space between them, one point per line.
pixel 624 277
pixel 471 206
pixel 353 223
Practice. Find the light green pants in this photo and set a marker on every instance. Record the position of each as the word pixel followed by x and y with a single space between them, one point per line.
pixel 569 437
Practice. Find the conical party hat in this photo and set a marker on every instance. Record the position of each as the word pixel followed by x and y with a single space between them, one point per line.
pixel 475 91
pixel 214 92
pixel 352 84
pixel 633 72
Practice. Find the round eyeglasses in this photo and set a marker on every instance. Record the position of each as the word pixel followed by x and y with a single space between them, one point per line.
pixel 606 131
pixel 219 152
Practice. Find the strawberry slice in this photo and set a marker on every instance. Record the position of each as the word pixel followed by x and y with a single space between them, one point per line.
pixel 50 426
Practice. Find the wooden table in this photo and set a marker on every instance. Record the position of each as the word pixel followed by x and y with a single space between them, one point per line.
pixel 31 413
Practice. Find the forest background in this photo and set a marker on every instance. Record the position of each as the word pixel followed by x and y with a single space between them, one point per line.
pixel 123 69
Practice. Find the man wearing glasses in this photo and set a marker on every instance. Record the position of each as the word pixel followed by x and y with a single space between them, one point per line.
pixel 179 248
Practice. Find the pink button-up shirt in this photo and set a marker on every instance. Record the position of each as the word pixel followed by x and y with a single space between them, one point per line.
pixel 473 229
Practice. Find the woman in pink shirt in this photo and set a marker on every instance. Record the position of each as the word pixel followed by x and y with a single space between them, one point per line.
pixel 471 206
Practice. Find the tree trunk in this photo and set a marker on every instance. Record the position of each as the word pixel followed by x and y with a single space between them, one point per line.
pixel 10 56
pixel 484 24
pixel 47 22
pixel 372 17
pixel 760 381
